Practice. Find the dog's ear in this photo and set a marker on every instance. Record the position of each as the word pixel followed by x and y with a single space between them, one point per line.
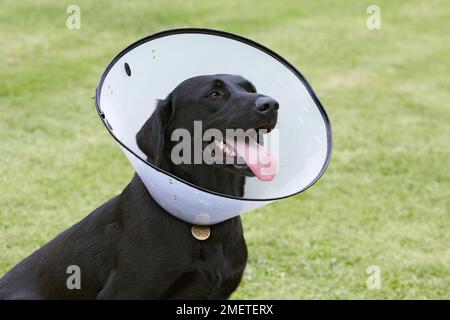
pixel 151 138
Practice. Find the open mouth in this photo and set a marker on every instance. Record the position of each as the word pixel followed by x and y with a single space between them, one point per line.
pixel 248 155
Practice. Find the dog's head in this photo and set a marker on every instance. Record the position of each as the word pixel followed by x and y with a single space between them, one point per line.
pixel 220 102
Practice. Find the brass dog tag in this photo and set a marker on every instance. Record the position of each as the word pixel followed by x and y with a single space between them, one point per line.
pixel 200 232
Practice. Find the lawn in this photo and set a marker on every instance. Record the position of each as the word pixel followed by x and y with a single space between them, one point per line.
pixel 384 201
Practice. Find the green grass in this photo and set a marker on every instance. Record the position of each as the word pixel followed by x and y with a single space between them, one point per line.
pixel 385 199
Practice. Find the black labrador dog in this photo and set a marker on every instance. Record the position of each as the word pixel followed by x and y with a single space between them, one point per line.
pixel 130 247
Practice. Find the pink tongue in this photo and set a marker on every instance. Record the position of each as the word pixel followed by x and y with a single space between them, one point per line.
pixel 257 157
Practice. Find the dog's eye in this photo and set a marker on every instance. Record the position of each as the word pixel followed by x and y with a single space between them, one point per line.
pixel 215 95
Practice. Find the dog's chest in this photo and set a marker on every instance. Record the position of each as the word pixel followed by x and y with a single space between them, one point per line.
pixel 218 270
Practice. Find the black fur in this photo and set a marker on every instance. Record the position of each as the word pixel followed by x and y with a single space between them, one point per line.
pixel 130 248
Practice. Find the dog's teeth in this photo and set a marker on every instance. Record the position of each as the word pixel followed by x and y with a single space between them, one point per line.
pixel 230 152
pixel 222 146
pixel 219 144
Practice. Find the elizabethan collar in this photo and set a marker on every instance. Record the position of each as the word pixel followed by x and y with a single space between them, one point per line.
pixel 152 67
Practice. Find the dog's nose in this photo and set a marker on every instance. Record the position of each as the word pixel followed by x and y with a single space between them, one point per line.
pixel 266 105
